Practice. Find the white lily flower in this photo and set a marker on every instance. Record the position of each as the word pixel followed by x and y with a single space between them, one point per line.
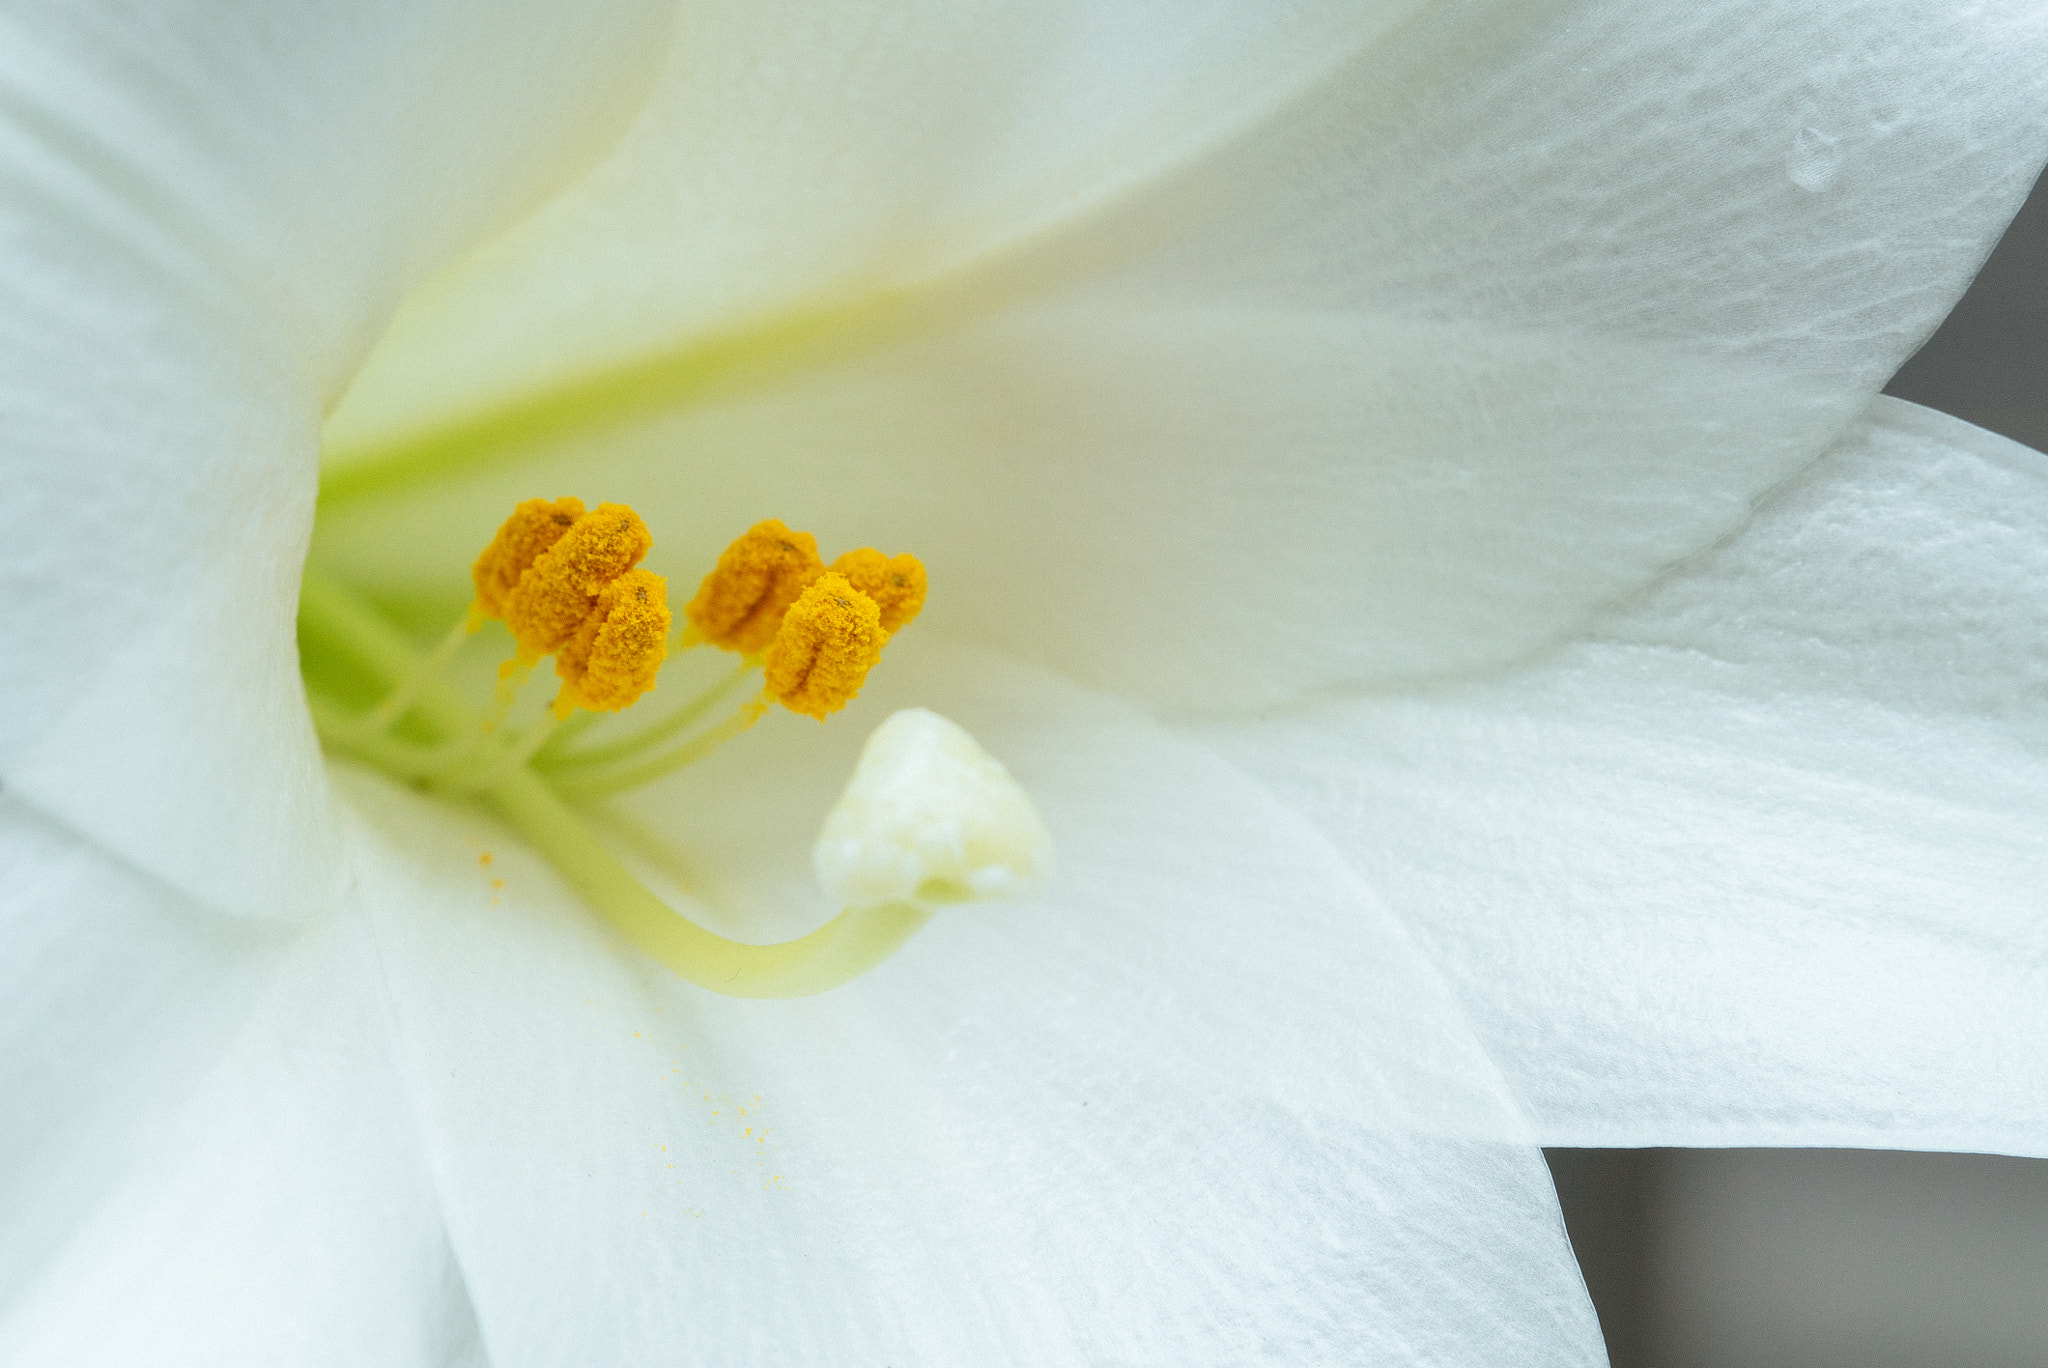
pixel 1403 497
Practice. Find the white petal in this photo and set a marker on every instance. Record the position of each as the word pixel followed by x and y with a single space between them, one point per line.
pixel 280 1213
pixel 796 151
pixel 117 996
pixel 1199 1104
pixel 207 215
pixel 1760 862
pixel 1505 312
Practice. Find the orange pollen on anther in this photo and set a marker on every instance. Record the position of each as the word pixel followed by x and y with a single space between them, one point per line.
pixel 614 656
pixel 895 583
pixel 740 604
pixel 558 591
pixel 533 527
pixel 830 638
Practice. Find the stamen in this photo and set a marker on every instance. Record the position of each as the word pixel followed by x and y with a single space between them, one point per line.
pixel 534 526
pixel 479 770
pixel 577 784
pixel 455 764
pixel 512 677
pixel 559 745
pixel 556 756
pixel 895 583
pixel 342 731
pixel 565 581
pixel 830 638
pixel 406 692
pixel 614 656
pixel 558 590
pixel 740 604
pixel 843 948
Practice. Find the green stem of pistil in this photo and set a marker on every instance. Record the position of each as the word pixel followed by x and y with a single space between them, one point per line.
pixel 632 835
pixel 849 945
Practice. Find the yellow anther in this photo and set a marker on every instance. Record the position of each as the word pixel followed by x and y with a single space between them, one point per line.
pixel 557 592
pixel 895 583
pixel 533 527
pixel 740 604
pixel 830 638
pixel 614 656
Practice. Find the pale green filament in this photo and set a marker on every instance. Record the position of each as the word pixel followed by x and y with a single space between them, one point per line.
pixel 395 704
pixel 850 944
pixel 558 744
pixel 691 751
pixel 479 771
pixel 627 747
pixel 512 677
pixel 334 614
pixel 342 731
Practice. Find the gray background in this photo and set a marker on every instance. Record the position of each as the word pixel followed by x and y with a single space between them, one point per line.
pixel 1843 1258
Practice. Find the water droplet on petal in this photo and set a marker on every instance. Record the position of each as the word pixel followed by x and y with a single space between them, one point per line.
pixel 1815 159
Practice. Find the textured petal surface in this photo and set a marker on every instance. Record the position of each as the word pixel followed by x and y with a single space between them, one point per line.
pixel 116 997
pixel 1202 1103
pixel 206 215
pixel 208 1156
pixel 796 153
pixel 1501 312
pixel 1761 860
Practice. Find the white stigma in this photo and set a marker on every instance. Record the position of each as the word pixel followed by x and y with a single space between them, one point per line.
pixel 929 816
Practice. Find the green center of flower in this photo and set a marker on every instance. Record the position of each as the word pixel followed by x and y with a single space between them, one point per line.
pixel 566 582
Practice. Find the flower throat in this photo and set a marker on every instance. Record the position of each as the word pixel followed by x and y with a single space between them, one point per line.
pixel 566 582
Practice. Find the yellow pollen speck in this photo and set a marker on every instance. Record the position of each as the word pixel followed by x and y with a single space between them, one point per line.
pixel 533 527
pixel 830 638
pixel 740 604
pixel 615 654
pixel 895 583
pixel 559 589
